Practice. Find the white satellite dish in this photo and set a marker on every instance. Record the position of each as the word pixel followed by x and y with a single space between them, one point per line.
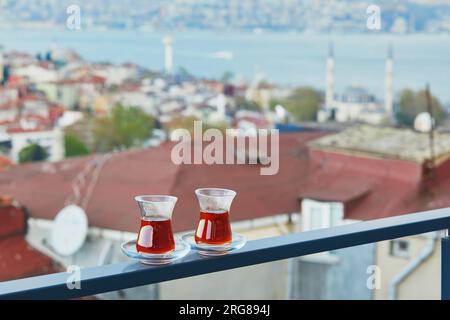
pixel 280 111
pixel 423 122
pixel 69 230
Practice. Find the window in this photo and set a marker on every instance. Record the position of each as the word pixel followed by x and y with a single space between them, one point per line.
pixel 399 248
pixel 318 214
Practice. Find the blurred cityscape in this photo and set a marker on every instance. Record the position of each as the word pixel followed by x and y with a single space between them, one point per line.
pixel 283 15
pixel 96 133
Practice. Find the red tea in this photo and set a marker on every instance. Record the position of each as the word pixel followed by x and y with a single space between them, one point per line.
pixel 213 228
pixel 155 236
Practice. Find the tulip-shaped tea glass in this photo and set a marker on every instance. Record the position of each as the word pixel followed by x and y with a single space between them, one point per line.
pixel 214 224
pixel 156 244
pixel 155 235
pixel 213 235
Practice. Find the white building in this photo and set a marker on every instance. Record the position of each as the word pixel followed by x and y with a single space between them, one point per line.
pixel 356 104
pixel 51 140
pixel 8 95
pixel 35 73
pixel 115 75
pixel 8 113
pixel 138 99
pixel 69 118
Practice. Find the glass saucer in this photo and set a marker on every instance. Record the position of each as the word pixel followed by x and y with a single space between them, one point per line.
pixel 237 242
pixel 181 250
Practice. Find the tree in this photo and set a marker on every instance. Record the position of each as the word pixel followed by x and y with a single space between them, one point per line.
pixel 183 72
pixel 74 146
pixel 245 104
pixel 303 103
pixel 188 124
pixel 227 76
pixel 123 127
pixel 33 153
pixel 411 103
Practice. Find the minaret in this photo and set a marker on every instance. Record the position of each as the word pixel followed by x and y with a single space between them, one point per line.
pixel 222 106
pixel 168 54
pixel 388 97
pixel 330 77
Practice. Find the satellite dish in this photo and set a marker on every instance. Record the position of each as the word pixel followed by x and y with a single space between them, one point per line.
pixel 69 230
pixel 280 111
pixel 423 122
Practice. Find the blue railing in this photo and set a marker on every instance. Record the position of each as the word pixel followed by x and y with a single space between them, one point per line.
pixel 95 280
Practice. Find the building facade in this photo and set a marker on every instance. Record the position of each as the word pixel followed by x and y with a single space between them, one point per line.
pixel 356 104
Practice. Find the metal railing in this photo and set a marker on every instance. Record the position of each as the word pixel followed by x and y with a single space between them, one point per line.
pixel 95 280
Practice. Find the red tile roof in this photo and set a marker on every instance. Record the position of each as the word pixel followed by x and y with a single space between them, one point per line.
pixel 372 188
pixel 39 128
pixel 5 163
pixel 43 188
pixel 9 105
pixel 12 220
pixel 92 79
pixel 16 81
pixel 369 187
pixel 17 258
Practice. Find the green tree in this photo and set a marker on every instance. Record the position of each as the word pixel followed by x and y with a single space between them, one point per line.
pixel 227 76
pixel 303 103
pixel 188 124
pixel 74 146
pixel 411 103
pixel 183 72
pixel 33 153
pixel 245 104
pixel 123 127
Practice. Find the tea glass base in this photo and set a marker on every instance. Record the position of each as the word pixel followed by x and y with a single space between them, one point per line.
pixel 180 251
pixel 237 242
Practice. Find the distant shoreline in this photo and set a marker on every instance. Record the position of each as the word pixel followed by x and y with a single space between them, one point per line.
pixel 286 59
pixel 254 31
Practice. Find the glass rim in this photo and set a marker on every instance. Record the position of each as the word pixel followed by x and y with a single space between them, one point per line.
pixel 227 192
pixel 152 198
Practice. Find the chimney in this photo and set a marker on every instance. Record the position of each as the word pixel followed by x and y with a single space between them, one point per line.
pixel 13 220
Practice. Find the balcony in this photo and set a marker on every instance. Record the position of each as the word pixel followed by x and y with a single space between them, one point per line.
pixel 96 280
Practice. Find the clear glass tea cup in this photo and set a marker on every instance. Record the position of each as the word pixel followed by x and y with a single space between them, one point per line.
pixel 214 223
pixel 155 234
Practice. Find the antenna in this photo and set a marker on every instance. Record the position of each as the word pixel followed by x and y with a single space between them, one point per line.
pixel 429 164
pixel 431 132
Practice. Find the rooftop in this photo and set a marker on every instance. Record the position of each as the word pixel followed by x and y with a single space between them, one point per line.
pixel 357 94
pixel 392 143
pixel 17 258
pixel 370 187
pixel 44 187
